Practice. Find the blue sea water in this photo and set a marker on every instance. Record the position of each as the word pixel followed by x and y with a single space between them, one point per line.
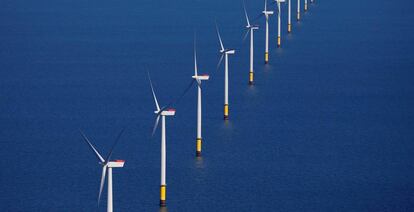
pixel 327 126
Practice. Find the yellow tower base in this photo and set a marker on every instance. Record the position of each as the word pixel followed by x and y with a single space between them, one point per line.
pixel 266 57
pixel 162 196
pixel 289 28
pixel 278 41
pixel 306 7
pixel 226 111
pixel 251 77
pixel 198 150
pixel 298 17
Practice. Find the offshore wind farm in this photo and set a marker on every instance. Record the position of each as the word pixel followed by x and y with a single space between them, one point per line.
pixel 156 90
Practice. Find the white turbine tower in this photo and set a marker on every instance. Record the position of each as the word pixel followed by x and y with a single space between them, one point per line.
pixel 298 11
pixel 107 166
pixel 267 14
pixel 250 28
pixel 198 79
pixel 225 53
pixel 289 16
pixel 161 112
pixel 278 21
pixel 306 5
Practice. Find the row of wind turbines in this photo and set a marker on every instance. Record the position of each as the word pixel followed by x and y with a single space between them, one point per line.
pixel 164 111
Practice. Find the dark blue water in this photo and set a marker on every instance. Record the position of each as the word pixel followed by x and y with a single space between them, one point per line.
pixel 328 125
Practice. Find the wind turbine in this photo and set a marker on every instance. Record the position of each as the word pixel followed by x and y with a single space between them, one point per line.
pixel 198 79
pixel 298 11
pixel 289 16
pixel 278 21
pixel 267 14
pixel 161 112
pixel 250 28
pixel 225 53
pixel 107 166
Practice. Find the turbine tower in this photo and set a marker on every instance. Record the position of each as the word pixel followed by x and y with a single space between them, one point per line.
pixel 225 53
pixel 198 79
pixel 306 5
pixel 278 21
pixel 161 113
pixel 107 166
pixel 267 15
pixel 289 16
pixel 298 11
pixel 250 28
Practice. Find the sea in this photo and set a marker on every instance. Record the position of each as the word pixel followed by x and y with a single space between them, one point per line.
pixel 328 124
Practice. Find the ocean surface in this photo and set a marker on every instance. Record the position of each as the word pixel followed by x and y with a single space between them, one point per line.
pixel 327 126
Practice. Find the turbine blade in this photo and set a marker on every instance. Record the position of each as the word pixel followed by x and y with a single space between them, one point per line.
pixel 195 56
pixel 153 93
pixel 198 83
pixel 272 3
pixel 245 34
pixel 265 8
pixel 218 34
pixel 220 61
pixel 195 62
pixel 186 90
pixel 156 124
pixel 257 17
pixel 100 158
pixel 177 100
pixel 245 13
pixel 102 183
pixel 113 145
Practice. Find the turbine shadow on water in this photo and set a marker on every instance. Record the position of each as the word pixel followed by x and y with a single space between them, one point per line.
pixel 163 209
pixel 227 130
pixel 251 90
pixel 199 163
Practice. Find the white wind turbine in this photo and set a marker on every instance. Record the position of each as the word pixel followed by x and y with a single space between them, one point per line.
pixel 225 53
pixel 161 112
pixel 198 79
pixel 250 28
pixel 107 166
pixel 267 15
pixel 278 21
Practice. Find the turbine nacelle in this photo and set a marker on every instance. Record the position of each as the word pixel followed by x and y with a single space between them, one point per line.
pixel 268 12
pixel 167 112
pixel 229 51
pixel 201 77
pixel 116 164
pixel 254 27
